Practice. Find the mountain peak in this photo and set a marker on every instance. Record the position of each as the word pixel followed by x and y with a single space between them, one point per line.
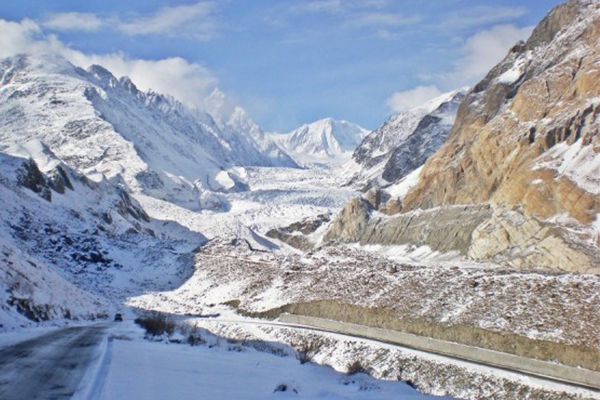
pixel 102 77
pixel 107 127
pixel 326 141
pixel 39 64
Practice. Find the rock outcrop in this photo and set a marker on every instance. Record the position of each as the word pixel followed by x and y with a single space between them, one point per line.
pixel 523 241
pixel 32 178
pixel 443 229
pixel 298 234
pixel 352 222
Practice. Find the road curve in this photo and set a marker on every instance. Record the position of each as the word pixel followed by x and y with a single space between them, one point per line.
pixel 50 366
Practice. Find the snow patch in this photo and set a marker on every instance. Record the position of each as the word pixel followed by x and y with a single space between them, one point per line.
pixel 401 189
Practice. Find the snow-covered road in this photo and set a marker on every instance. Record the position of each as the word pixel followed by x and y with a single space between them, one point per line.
pixel 63 364
pixel 50 366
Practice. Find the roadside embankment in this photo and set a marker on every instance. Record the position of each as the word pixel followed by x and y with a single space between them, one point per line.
pixel 569 355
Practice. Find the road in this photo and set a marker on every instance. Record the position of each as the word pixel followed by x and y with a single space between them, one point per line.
pixel 50 366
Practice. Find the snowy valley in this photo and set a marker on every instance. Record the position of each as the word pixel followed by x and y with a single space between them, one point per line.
pixel 470 221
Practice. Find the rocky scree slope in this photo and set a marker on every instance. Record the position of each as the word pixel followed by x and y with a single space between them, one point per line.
pixel 526 142
pixel 405 141
pixel 535 314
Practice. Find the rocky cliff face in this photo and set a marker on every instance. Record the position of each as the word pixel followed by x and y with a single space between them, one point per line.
pixel 526 142
pixel 527 135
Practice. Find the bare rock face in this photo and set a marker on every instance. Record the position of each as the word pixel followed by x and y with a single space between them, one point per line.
pixel 479 232
pixel 443 229
pixel 352 222
pixel 376 197
pixel 59 181
pixel 405 141
pixel 428 136
pixel 32 178
pixel 520 241
pixel 527 135
pixel 391 207
pixel 297 234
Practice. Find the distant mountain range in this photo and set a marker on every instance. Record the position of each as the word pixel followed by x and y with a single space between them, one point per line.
pixel 326 141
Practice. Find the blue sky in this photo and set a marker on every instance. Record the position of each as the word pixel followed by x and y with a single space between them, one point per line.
pixel 287 62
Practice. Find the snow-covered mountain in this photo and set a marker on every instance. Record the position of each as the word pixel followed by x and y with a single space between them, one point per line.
pixel 233 120
pixel 105 189
pixel 403 143
pixel 326 141
pixel 102 127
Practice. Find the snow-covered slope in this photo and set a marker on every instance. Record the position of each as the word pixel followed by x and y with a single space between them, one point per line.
pixel 404 142
pixel 326 141
pixel 103 126
pixel 56 260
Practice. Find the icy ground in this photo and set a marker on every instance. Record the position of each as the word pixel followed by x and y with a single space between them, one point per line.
pixel 146 370
pixel 277 197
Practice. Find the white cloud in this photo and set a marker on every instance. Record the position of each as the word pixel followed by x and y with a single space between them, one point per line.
pixel 196 21
pixel 188 82
pixel 337 6
pixel 73 21
pixel 478 55
pixel 359 14
pixel 320 6
pixel 380 19
pixel 25 37
pixel 405 100
pixel 373 3
pixel 193 20
pixel 340 5
pixel 482 15
pixel 484 50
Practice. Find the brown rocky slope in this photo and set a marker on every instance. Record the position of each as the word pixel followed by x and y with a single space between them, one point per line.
pixel 526 141
pixel 540 97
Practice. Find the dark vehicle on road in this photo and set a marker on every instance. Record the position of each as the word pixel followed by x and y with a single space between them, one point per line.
pixel 118 317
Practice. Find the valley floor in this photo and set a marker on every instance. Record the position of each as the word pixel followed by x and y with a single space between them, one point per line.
pixel 172 273
pixel 125 366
